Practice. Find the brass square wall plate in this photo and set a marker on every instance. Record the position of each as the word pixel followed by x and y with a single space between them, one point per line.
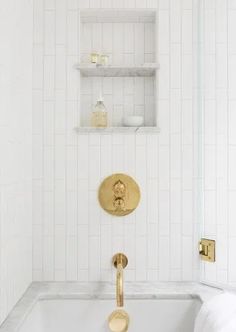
pixel 207 250
pixel 119 194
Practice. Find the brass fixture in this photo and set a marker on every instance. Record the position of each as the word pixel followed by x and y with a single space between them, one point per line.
pixel 120 262
pixel 94 57
pixel 119 194
pixel 207 250
pixel 118 321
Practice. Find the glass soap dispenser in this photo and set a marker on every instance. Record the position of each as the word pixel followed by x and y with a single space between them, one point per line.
pixel 99 115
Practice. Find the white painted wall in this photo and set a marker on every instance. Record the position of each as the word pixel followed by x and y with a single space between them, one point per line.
pixel 219 137
pixel 15 151
pixel 73 238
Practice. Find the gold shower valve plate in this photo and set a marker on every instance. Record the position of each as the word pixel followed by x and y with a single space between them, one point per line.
pixel 207 250
pixel 119 194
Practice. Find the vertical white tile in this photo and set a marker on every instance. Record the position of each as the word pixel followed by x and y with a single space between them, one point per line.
pixel 187 256
pixel 48 168
pixel 94 259
pixel 71 169
pixel 187 76
pixel 83 202
pixel 164 33
pixel 60 203
pixel 164 213
pixel 221 21
pixel 49 77
pixel 71 259
pixel 60 25
pixel 232 165
pixel 139 43
pixel 118 45
pixel 175 156
pixel 164 260
pixel 105 3
pixel 60 247
pixel 175 66
pixel 83 248
pixel 38 63
pixel 48 123
pixel 37 112
pixel 175 21
pixel 60 112
pixel 141 254
pixel 72 33
pixel 232 266
pixel 95 3
pixel 107 33
pixel 164 77
pixel 49 38
pixel 164 180
pixel 72 79
pixel 48 258
pixel 49 5
pixel 187 32
pixel 38 15
pixel 72 5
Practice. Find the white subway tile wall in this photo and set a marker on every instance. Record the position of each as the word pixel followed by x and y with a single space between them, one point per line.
pixel 74 239
pixel 219 153
pixel 15 151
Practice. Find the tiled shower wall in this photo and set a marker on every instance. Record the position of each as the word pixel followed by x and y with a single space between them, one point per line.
pixel 219 137
pixel 73 238
pixel 15 151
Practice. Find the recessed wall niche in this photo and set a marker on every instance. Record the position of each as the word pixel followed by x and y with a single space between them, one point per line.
pixel 128 83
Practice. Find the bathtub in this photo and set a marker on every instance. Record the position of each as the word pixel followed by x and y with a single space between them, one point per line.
pixel 76 315
pixel 75 307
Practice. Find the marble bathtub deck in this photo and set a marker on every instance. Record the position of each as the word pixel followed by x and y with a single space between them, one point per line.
pixel 60 290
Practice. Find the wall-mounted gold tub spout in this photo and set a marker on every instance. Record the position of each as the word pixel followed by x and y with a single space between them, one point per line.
pixel 120 261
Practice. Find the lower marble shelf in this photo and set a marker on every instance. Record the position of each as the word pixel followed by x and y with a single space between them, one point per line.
pixel 125 130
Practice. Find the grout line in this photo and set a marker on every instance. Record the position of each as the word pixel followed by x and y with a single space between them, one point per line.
pixel 216 140
pixel 181 136
pixel 228 179
pixel 43 154
pixel 170 141
pixel 54 151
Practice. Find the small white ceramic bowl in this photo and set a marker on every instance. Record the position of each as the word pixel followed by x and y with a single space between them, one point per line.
pixel 133 121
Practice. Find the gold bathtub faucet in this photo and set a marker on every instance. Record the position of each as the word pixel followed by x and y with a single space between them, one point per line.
pixel 120 261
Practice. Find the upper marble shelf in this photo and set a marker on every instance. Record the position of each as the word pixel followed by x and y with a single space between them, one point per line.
pixel 119 130
pixel 118 15
pixel 145 70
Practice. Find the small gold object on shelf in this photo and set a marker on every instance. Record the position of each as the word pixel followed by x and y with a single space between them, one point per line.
pixel 207 250
pixel 104 59
pixel 94 57
pixel 119 194
pixel 118 321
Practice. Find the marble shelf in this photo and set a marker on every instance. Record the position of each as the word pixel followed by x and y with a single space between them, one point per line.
pixel 118 15
pixel 145 70
pixel 110 130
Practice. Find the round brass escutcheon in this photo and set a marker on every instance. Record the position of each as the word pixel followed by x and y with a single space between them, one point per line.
pixel 118 321
pixel 119 194
pixel 120 259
